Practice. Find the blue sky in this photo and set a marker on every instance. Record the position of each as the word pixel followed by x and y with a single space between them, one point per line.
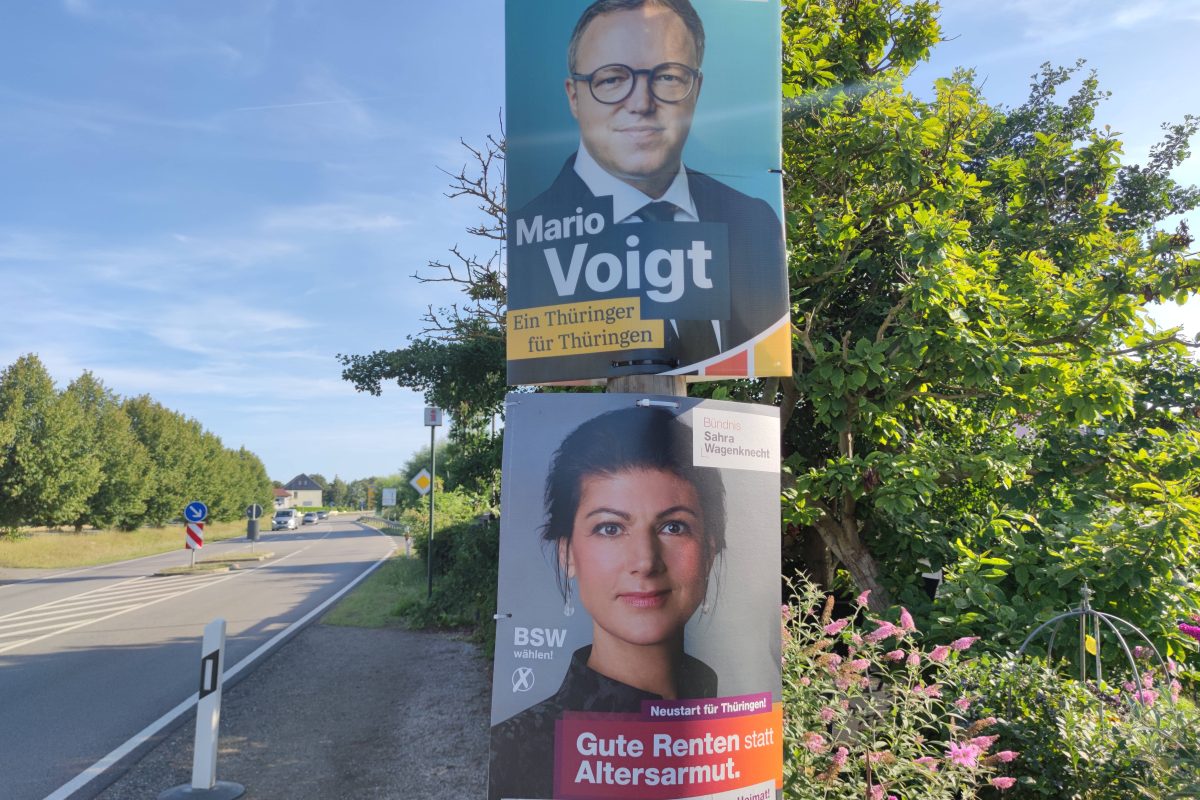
pixel 206 201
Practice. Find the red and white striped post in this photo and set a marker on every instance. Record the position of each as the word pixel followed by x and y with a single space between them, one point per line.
pixel 193 539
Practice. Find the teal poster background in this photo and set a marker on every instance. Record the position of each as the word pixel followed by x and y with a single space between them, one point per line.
pixel 736 133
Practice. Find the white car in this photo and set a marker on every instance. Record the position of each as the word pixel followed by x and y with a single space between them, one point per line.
pixel 285 519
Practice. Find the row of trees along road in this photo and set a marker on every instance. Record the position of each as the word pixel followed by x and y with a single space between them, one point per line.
pixel 85 457
pixel 978 386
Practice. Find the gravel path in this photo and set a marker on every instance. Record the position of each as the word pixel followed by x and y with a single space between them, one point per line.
pixel 347 713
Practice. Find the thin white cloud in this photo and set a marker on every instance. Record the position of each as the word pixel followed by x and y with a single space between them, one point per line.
pixel 167 36
pixel 164 265
pixel 343 112
pixel 307 104
pixel 216 326
pixel 79 8
pixel 332 217
pixel 32 118
pixel 1072 20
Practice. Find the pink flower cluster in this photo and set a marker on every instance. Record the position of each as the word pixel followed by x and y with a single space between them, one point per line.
pixel 815 743
pixel 1191 630
pixel 884 631
pixel 973 752
pixel 865 655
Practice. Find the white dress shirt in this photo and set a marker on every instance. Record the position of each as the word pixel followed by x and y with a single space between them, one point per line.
pixel 627 200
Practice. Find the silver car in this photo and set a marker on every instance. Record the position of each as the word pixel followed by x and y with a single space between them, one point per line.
pixel 284 520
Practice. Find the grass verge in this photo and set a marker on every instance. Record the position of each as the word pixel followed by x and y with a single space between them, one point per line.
pixel 61 550
pixel 376 602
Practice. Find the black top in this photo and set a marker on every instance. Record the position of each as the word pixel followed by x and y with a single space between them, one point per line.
pixel 522 758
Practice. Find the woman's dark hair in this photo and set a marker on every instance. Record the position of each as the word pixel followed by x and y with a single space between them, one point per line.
pixel 617 441
pixel 681 7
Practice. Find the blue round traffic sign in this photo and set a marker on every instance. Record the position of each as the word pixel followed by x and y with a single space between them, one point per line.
pixel 195 511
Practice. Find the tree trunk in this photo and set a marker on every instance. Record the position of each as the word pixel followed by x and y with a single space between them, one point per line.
pixel 818 560
pixel 845 541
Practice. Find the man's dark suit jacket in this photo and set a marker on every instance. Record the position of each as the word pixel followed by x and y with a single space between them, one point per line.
pixel 757 275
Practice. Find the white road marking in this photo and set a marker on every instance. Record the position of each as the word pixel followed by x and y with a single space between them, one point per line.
pixel 99 603
pixel 88 775
pixel 151 588
pixel 155 591
pixel 123 610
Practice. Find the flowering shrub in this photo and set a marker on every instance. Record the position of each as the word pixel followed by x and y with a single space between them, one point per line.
pixel 867 713
pixel 1192 630
pixel 1087 742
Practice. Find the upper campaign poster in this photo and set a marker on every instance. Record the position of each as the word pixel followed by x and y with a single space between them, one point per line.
pixel 638 629
pixel 645 230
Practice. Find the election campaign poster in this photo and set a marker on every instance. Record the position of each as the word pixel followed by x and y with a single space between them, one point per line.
pixel 645 230
pixel 638 630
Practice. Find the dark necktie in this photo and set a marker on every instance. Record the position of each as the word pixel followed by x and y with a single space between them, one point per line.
pixel 696 340
pixel 658 211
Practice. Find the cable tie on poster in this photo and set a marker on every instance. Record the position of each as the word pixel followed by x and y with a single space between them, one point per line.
pixel 501 616
pixel 646 402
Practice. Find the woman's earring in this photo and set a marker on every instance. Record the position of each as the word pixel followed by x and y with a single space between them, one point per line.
pixel 569 606
pixel 706 605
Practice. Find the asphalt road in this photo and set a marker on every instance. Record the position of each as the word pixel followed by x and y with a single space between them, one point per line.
pixel 90 658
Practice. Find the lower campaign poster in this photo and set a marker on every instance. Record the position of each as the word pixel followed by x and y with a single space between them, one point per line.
pixel 638 632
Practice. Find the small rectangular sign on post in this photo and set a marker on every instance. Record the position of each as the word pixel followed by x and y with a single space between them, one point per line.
pixel 389 497
pixel 433 417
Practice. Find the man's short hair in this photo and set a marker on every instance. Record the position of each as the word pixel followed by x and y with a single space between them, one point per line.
pixel 681 7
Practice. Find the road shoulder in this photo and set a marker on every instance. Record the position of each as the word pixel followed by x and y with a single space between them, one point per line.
pixel 343 713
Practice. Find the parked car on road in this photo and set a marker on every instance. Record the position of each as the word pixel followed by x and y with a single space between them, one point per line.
pixel 310 518
pixel 322 515
pixel 284 520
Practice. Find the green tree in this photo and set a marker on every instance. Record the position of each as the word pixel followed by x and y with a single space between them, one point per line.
pixel 338 493
pixel 1115 504
pixel 356 493
pixel 120 498
pixel 252 484
pixel 47 472
pixel 960 272
pixel 174 445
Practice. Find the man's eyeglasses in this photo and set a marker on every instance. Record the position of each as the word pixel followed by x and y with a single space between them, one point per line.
pixel 613 83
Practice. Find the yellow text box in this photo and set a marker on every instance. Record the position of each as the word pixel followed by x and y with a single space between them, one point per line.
pixel 597 326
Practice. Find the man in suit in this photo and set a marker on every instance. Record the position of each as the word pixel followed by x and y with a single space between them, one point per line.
pixel 633 84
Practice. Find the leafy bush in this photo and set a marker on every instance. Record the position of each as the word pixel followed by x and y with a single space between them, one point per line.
pixel 867 712
pixel 1082 741
pixel 465 557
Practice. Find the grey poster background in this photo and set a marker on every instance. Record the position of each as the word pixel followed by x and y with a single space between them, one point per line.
pixel 739 638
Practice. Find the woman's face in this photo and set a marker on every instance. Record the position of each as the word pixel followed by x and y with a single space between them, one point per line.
pixel 638 553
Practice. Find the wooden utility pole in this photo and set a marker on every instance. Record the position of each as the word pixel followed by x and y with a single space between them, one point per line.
pixel 673 385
